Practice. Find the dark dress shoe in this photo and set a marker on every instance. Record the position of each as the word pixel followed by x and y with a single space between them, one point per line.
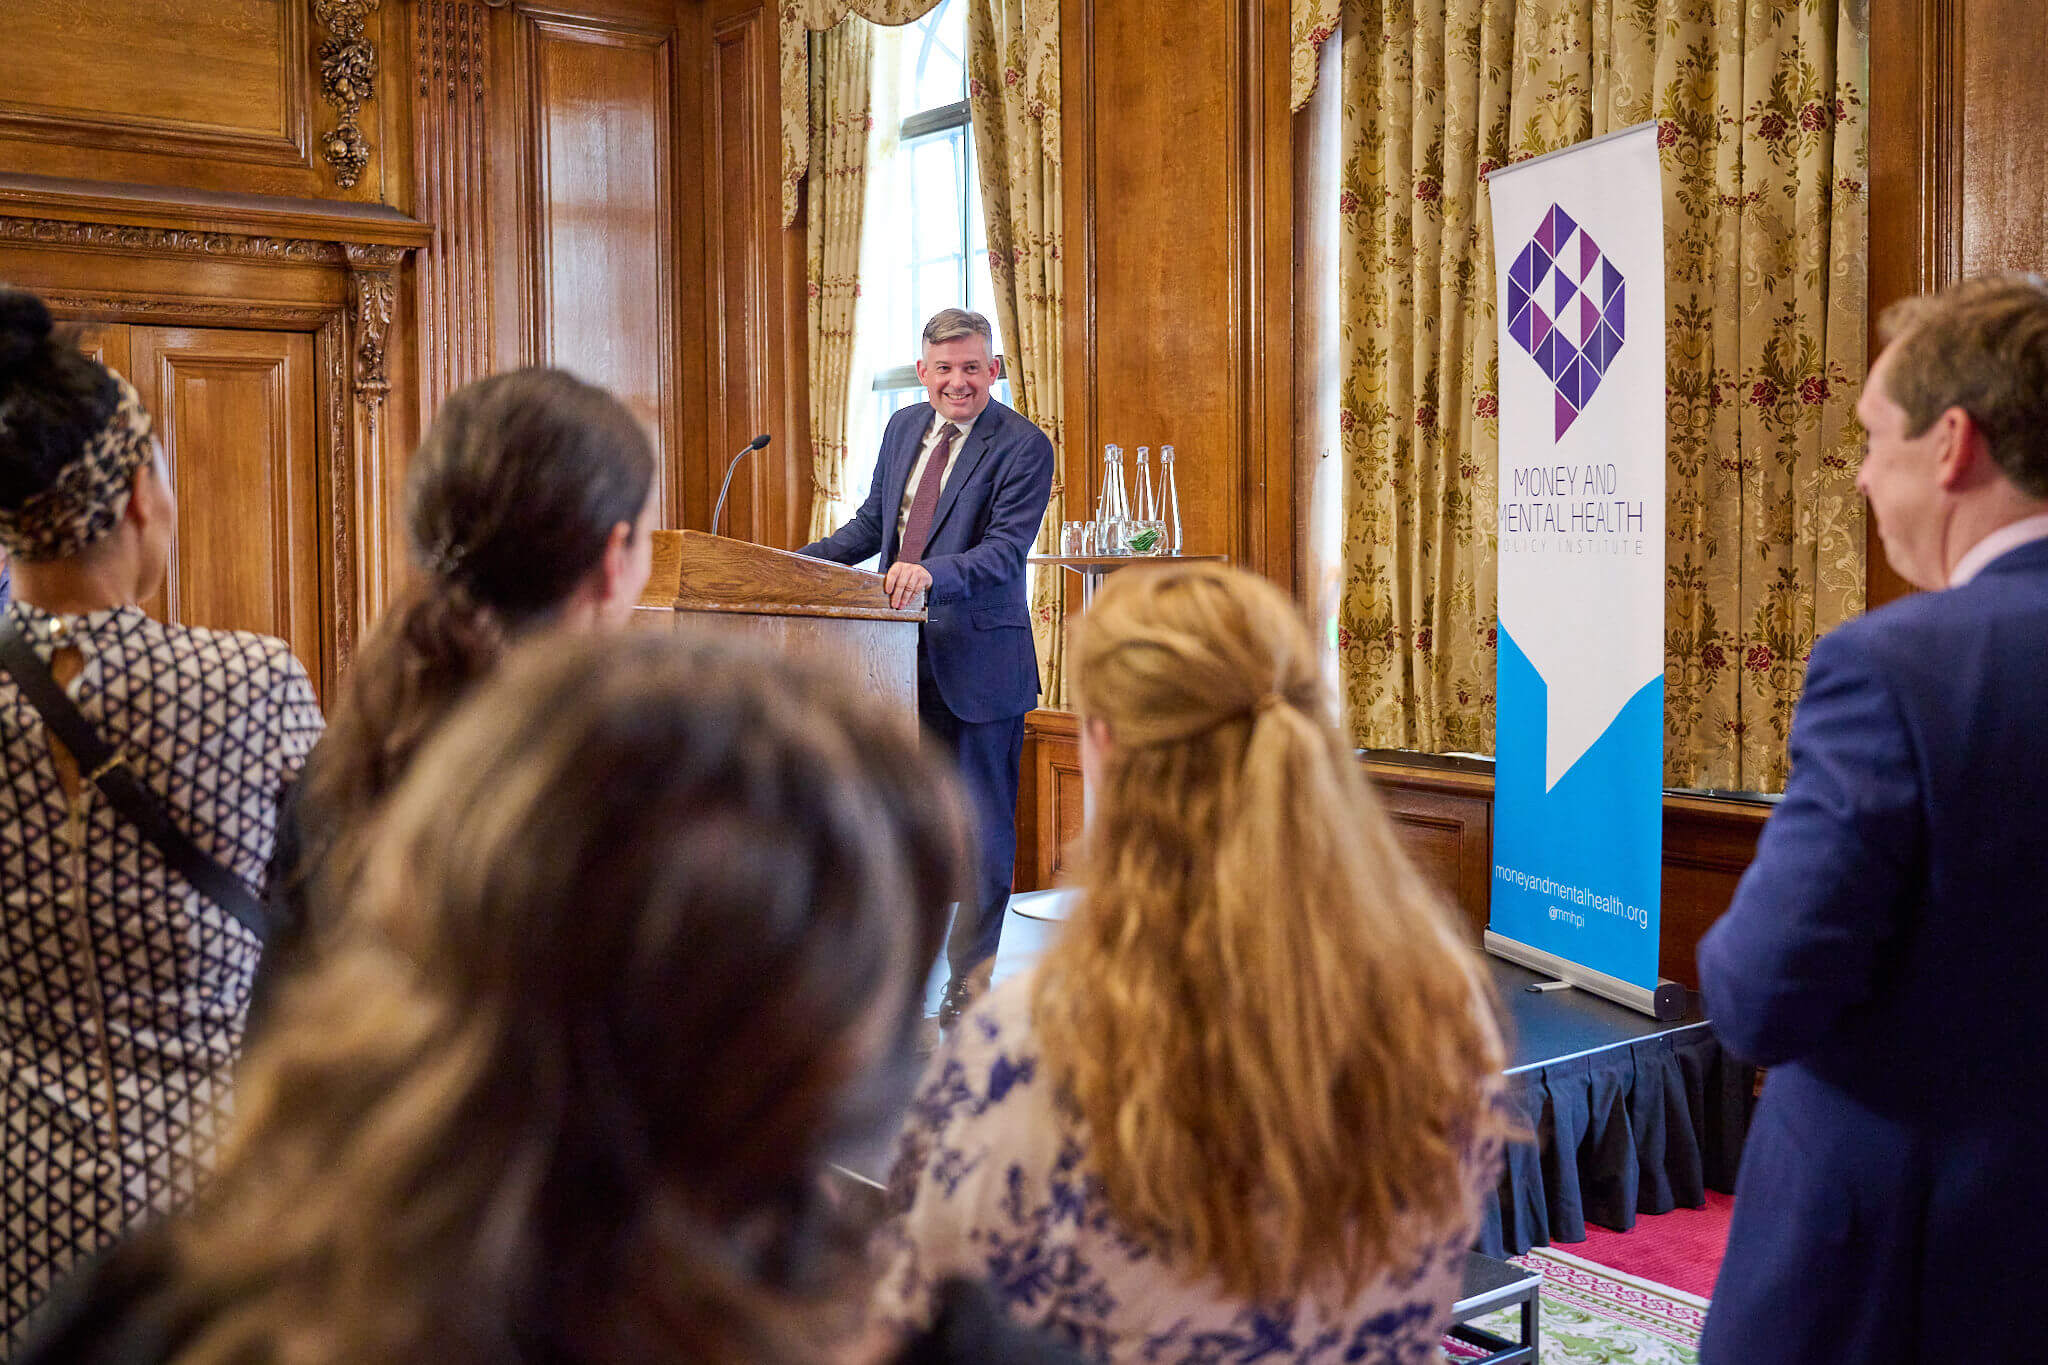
pixel 960 993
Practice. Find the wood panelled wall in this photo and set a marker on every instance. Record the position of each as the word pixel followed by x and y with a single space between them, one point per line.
pixel 624 154
pixel 221 95
pixel 754 306
pixel 296 268
pixel 1958 185
pixel 229 218
pixel 1179 221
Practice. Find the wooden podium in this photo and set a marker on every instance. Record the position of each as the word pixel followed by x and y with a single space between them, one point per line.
pixel 810 606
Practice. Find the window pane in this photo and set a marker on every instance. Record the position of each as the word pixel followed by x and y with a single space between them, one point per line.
pixel 939 286
pixel 935 194
pixel 934 69
pixel 895 309
pixel 980 291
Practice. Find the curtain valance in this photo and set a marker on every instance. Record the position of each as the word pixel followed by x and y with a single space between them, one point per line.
pixel 799 18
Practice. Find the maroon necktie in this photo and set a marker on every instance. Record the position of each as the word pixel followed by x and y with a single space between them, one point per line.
pixel 917 527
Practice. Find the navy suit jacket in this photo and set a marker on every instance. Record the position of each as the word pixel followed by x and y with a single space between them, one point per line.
pixel 1886 954
pixel 978 628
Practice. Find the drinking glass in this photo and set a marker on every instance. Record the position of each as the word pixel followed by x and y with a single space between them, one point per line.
pixel 1147 537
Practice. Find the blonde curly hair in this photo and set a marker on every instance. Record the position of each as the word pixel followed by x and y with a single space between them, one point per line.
pixel 1281 1047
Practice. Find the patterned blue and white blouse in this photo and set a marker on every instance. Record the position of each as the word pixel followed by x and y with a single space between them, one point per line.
pixel 992 1179
pixel 122 989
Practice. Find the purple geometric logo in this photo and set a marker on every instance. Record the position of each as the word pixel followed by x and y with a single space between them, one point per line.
pixel 1566 303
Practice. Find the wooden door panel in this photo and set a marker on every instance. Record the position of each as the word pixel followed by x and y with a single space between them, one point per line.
pixel 235 411
pixel 603 231
pixel 227 77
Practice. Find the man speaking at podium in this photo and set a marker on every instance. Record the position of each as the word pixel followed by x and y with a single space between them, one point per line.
pixel 959 492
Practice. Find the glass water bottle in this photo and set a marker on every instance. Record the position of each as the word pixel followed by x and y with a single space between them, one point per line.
pixel 1145 536
pixel 1144 508
pixel 1169 501
pixel 1112 510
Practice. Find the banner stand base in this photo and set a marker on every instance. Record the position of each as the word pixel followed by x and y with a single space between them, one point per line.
pixel 1664 1004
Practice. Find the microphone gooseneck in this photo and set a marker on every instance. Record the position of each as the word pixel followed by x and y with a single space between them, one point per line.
pixel 718 512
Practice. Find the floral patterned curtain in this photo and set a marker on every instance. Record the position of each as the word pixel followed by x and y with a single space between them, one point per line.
pixel 1764 147
pixel 798 19
pixel 1312 24
pixel 1013 92
pixel 842 64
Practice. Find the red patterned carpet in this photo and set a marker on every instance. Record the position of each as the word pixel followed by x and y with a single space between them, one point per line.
pixel 1681 1248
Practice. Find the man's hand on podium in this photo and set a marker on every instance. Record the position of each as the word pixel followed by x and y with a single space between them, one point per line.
pixel 905 581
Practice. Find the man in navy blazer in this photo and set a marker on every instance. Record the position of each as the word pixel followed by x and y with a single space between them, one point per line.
pixel 958 495
pixel 1887 953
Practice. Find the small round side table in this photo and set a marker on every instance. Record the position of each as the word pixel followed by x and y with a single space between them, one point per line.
pixel 1094 568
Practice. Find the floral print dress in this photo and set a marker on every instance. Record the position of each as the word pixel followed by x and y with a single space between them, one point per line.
pixel 992 1179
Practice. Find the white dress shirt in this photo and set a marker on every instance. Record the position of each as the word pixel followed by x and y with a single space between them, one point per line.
pixel 924 457
pixel 2008 537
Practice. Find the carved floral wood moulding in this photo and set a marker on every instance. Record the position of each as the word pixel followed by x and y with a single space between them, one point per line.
pixel 372 273
pixel 348 78
pixel 167 241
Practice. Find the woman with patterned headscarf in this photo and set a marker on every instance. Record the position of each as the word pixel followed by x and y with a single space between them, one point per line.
pixel 122 985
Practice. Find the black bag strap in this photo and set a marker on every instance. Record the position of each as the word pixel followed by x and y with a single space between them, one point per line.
pixel 108 770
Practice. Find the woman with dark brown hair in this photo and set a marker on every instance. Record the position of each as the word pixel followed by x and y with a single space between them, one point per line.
pixel 529 506
pixel 123 980
pixel 534 1104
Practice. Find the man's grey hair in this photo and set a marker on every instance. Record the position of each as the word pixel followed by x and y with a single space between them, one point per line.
pixel 950 324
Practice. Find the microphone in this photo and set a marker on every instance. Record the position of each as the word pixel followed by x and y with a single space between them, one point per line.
pixel 758 443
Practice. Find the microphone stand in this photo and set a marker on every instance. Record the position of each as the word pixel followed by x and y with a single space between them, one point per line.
pixel 758 443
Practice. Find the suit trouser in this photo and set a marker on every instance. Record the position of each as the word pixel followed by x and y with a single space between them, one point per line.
pixel 987 754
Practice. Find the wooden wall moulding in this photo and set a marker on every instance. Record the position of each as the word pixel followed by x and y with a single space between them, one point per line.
pixel 451 143
pixel 452 48
pixel 1957 186
pixel 373 296
pixel 756 380
pixel 342 295
pixel 178 310
pixel 1444 817
pixel 184 222
pixel 348 78
pixel 331 415
pixel 150 241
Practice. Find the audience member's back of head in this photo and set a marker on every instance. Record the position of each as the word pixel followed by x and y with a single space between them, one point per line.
pixel 1260 1009
pixel 54 399
pixel 513 497
pixel 637 948
pixel 1980 345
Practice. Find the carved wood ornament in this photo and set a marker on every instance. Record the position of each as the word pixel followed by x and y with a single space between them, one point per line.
pixel 451 152
pixel 348 77
pixel 372 271
pixel 452 48
pixel 164 241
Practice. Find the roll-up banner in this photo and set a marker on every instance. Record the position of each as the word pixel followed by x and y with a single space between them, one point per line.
pixel 1579 752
